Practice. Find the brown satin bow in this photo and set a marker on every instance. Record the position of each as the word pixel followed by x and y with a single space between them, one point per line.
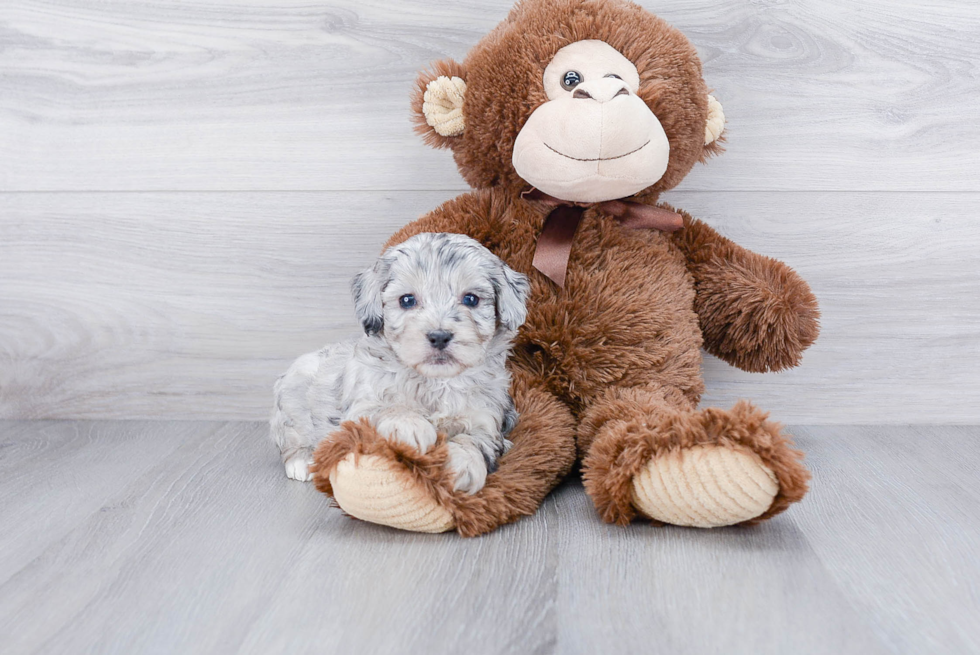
pixel 555 241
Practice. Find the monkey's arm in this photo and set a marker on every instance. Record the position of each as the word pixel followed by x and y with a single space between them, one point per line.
pixel 756 313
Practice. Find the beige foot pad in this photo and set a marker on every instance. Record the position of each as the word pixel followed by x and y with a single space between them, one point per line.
pixel 705 487
pixel 372 490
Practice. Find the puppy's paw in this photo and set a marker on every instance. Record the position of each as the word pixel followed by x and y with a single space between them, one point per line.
pixel 298 466
pixel 410 429
pixel 469 465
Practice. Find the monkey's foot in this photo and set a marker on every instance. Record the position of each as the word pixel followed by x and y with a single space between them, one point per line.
pixel 375 489
pixel 392 483
pixel 705 469
pixel 705 487
pixel 385 481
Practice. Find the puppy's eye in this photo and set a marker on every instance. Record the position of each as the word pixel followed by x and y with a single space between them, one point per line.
pixel 407 301
pixel 614 75
pixel 471 300
pixel 571 79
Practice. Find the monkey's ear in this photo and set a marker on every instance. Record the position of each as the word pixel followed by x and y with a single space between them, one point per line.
pixel 714 127
pixel 437 104
pixel 366 289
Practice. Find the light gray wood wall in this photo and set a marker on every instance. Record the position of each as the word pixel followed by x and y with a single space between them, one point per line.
pixel 185 190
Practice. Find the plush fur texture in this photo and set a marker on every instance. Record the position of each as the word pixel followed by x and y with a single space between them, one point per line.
pixel 781 321
pixel 608 367
pixel 629 427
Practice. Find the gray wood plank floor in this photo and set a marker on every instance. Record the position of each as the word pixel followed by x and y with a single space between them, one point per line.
pixel 184 537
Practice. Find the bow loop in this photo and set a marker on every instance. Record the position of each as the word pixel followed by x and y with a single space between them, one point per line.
pixel 555 241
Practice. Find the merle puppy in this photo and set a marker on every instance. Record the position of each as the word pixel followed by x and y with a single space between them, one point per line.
pixel 439 312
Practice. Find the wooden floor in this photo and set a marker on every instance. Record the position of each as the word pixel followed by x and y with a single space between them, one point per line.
pixel 184 537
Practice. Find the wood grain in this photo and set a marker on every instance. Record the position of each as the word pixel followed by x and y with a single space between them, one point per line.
pixel 922 556
pixel 679 590
pixel 853 152
pixel 189 305
pixel 42 456
pixel 187 537
pixel 245 95
pixel 158 550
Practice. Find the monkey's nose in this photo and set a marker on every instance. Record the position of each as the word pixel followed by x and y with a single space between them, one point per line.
pixel 440 338
pixel 601 90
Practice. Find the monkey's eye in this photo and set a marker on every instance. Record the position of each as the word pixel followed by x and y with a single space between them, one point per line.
pixel 470 300
pixel 571 79
pixel 614 75
pixel 407 301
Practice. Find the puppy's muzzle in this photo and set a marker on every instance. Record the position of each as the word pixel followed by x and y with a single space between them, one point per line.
pixel 439 339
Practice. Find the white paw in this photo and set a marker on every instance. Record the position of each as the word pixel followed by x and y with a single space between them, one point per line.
pixel 409 429
pixel 469 466
pixel 298 467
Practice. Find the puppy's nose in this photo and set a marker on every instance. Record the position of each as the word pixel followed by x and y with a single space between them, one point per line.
pixel 440 338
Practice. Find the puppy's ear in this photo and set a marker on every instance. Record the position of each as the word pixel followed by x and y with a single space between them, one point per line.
pixel 366 290
pixel 512 289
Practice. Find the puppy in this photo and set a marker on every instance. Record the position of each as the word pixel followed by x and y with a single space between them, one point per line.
pixel 439 312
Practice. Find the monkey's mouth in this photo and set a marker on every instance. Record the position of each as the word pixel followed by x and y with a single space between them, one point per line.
pixel 625 154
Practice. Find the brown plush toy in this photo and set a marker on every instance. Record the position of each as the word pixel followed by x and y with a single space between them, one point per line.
pixel 570 119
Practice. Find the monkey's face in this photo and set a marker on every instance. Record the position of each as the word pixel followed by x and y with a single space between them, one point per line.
pixel 594 139
pixel 587 100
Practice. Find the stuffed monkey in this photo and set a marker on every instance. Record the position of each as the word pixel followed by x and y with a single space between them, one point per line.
pixel 569 120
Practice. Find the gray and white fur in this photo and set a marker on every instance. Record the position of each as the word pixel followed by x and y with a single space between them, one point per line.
pixel 431 360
